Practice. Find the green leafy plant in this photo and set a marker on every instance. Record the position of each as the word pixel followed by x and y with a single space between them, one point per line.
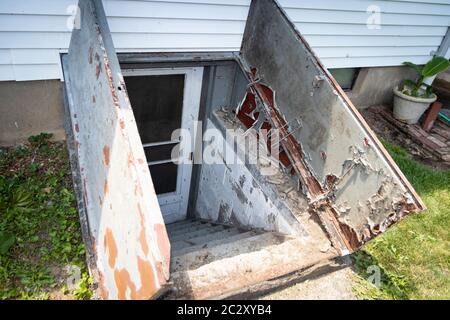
pixel 14 197
pixel 418 88
pixel 39 225
pixel 84 290
pixel 41 141
pixel 6 242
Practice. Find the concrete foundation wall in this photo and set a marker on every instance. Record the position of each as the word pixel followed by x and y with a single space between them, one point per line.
pixel 29 108
pixel 374 85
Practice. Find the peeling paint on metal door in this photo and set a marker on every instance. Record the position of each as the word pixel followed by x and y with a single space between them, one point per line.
pixel 127 232
pixel 351 182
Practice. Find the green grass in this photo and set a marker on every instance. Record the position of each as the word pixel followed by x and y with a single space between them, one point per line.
pixel 39 225
pixel 414 255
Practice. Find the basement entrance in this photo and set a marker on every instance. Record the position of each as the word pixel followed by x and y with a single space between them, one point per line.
pixel 232 237
pixel 335 189
pixel 230 231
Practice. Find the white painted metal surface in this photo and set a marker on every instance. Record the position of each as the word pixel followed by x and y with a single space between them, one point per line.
pixel 32 33
pixel 174 205
pixel 126 229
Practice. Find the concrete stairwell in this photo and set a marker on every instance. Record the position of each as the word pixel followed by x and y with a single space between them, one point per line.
pixel 211 260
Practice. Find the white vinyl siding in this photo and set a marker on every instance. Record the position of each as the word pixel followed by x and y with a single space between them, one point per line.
pixel 33 33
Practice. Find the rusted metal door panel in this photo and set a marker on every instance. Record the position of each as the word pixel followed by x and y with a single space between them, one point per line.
pixel 351 182
pixel 125 224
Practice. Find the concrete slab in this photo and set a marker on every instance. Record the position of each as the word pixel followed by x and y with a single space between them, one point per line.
pixel 336 285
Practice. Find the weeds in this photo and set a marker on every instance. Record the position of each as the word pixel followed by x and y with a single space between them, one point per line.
pixel 39 225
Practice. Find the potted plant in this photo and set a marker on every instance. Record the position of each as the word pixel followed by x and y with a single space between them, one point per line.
pixel 413 97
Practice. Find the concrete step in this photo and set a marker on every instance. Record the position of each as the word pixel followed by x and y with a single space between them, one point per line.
pixel 225 268
pixel 195 233
pixel 182 224
pixel 209 240
pixel 222 249
pixel 198 234
pixel 190 229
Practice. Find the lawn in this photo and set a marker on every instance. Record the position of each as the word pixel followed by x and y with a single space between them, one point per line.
pixel 414 255
pixel 42 255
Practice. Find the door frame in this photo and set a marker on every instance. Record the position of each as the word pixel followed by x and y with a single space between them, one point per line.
pixel 174 204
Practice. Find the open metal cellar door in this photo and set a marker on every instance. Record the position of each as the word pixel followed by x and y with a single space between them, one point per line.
pixel 351 182
pixel 126 231
pixel 337 168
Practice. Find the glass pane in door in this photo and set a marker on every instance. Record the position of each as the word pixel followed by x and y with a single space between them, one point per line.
pixel 164 177
pixel 157 103
pixel 160 152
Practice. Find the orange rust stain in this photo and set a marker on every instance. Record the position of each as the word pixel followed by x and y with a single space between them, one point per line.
pixel 143 241
pixel 140 211
pixel 110 245
pixel 148 288
pixel 122 124
pixel 105 187
pixel 123 282
pixel 146 274
pixel 138 189
pixel 101 283
pixel 142 234
pixel 130 160
pixel 141 161
pixel 106 154
pixel 98 69
pixel 94 245
pixel 163 245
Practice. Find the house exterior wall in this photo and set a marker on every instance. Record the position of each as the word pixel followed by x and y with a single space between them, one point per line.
pixel 33 33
